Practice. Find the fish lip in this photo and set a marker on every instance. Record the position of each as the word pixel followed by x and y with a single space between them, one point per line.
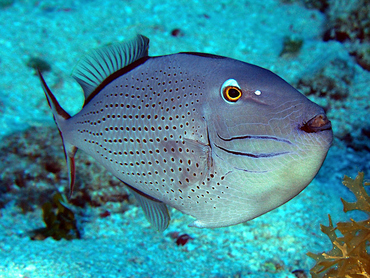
pixel 316 124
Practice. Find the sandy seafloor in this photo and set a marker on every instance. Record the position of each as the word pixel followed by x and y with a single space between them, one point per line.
pixel 124 245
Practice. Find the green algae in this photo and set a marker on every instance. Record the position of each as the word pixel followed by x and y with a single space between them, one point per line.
pixel 38 64
pixel 59 219
pixel 349 254
pixel 291 46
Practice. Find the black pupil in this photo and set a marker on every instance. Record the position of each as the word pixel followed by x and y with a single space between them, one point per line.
pixel 233 93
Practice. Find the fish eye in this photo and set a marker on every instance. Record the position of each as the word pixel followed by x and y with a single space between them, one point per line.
pixel 231 91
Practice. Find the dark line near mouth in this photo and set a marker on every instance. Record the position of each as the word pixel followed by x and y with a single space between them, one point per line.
pixel 262 155
pixel 254 137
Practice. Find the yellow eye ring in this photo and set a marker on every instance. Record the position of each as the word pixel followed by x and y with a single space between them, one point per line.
pixel 232 93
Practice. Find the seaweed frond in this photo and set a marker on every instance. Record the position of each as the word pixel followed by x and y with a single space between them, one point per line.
pixel 59 219
pixel 357 186
pixel 349 257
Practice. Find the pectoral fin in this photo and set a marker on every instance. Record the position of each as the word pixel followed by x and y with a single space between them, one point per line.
pixel 195 158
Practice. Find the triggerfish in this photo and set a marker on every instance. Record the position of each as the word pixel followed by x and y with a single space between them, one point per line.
pixel 216 138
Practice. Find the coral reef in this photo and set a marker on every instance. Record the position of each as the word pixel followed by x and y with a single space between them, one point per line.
pixel 362 55
pixel 349 22
pixel 332 81
pixel 320 5
pixel 32 168
pixel 349 256
pixel 359 140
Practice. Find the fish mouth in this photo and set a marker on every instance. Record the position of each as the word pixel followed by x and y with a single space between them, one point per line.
pixel 317 124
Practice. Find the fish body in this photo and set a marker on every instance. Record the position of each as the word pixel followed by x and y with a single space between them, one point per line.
pixel 219 139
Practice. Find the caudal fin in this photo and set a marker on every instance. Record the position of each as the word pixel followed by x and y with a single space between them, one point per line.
pixel 60 116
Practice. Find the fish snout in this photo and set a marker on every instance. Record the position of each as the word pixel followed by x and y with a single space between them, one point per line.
pixel 318 123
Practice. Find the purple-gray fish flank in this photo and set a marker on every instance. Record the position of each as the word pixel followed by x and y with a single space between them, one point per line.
pixel 218 139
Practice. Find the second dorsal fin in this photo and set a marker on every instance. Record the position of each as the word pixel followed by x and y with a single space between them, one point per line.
pixel 100 63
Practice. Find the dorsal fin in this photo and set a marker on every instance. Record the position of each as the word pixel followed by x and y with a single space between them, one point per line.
pixel 100 63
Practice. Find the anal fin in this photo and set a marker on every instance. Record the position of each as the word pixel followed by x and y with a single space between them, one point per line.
pixel 155 211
